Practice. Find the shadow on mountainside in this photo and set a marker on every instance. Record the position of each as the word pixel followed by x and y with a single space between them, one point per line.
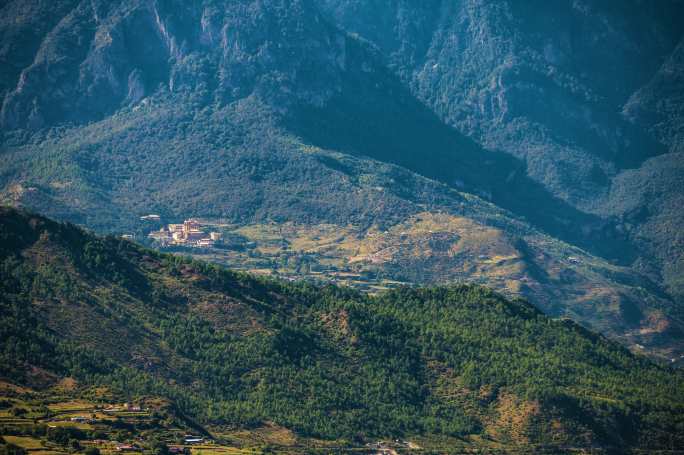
pixel 375 116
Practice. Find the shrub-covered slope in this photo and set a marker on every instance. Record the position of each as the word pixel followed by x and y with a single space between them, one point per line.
pixel 234 350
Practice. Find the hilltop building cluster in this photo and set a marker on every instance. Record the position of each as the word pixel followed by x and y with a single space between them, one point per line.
pixel 188 233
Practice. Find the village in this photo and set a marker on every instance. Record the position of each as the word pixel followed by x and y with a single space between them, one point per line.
pixel 190 233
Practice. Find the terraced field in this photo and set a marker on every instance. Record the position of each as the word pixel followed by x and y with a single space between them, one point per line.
pixel 111 425
pixel 47 413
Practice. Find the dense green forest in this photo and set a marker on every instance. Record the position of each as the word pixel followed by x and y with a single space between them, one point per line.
pixel 231 349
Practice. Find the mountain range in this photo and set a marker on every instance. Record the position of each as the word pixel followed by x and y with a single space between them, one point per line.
pixel 544 139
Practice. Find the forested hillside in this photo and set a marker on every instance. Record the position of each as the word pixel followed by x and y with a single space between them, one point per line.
pixel 233 351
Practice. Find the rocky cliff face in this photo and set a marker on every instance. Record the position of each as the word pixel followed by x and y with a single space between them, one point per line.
pixel 102 56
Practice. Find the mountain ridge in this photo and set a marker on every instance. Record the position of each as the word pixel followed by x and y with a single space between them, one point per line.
pixel 260 350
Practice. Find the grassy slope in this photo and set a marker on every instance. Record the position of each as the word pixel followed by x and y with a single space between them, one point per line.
pixel 233 350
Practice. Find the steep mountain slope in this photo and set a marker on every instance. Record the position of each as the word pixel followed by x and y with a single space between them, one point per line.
pixel 321 84
pixel 529 79
pixel 238 109
pixel 231 350
pixel 659 104
pixel 650 198
pixel 205 140
pixel 95 63
pixel 574 89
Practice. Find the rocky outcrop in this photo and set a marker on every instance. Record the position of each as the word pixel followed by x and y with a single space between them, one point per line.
pixel 100 57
